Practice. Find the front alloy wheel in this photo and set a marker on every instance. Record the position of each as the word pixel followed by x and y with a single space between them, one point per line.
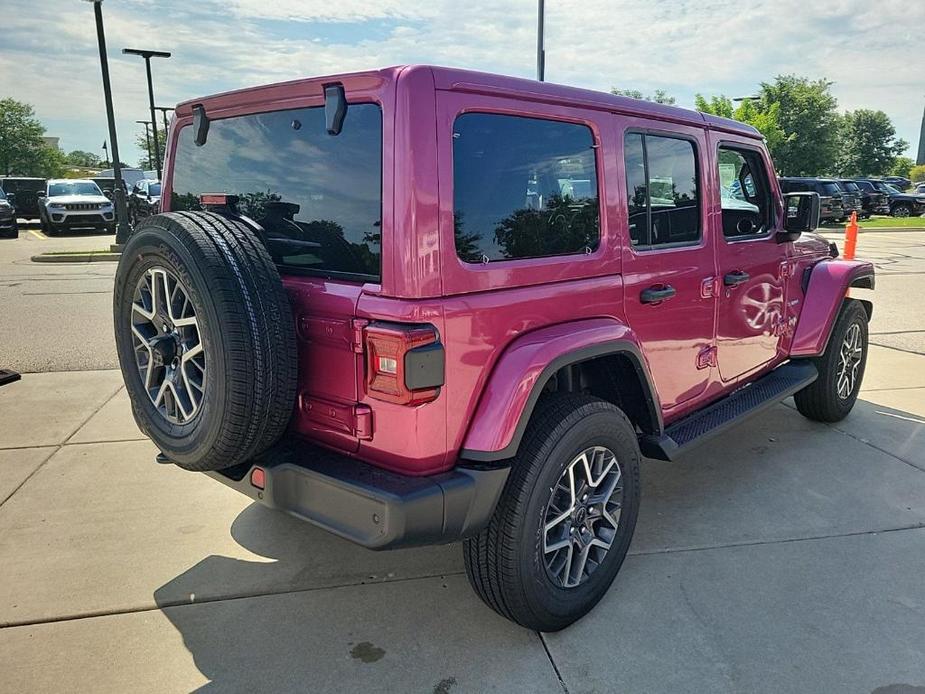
pixel 169 354
pixel 849 361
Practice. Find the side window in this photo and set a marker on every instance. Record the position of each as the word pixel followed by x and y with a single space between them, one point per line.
pixel 662 190
pixel 745 193
pixel 523 188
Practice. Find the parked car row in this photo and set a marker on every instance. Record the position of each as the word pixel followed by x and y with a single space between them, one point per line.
pixel 839 197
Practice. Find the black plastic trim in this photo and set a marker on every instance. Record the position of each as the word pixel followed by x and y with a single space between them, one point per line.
pixel 425 367
pixel 613 347
pixel 373 507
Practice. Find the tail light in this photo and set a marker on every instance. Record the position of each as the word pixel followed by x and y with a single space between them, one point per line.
pixel 404 363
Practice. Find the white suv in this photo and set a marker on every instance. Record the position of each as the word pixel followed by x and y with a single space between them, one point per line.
pixel 75 203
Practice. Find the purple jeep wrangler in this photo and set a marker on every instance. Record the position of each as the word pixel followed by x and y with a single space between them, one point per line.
pixel 421 305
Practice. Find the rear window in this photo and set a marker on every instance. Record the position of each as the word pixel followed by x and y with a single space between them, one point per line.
pixel 317 196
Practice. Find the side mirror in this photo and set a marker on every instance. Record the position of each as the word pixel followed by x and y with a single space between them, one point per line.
pixel 108 194
pixel 802 214
pixel 11 198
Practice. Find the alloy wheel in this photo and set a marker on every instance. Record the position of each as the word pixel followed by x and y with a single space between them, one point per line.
pixel 849 361
pixel 582 516
pixel 168 346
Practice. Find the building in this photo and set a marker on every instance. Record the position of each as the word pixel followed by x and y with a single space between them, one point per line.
pixel 920 159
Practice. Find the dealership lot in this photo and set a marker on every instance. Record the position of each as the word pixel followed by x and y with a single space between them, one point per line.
pixel 786 556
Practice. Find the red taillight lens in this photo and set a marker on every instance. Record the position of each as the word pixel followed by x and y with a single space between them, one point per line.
pixel 217 199
pixel 404 363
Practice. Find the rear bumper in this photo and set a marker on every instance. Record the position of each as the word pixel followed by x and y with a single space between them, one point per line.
pixel 368 505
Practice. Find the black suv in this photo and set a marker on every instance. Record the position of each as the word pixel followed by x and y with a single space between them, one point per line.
pixel 830 195
pixel 898 203
pixel 876 201
pixel 852 197
pixel 8 227
pixel 144 200
pixel 24 192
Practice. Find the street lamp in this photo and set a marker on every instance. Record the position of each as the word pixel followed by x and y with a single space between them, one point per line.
pixel 163 110
pixel 122 226
pixel 147 138
pixel 147 55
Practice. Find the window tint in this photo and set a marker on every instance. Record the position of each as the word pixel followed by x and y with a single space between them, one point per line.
pixel 745 193
pixel 637 202
pixel 523 188
pixel 830 188
pixel 318 197
pixel 850 186
pixel 667 188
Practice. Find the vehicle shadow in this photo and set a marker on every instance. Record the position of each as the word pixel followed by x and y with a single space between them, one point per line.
pixel 310 610
pixel 313 612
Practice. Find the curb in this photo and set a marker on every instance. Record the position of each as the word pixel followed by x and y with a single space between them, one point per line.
pixel 77 258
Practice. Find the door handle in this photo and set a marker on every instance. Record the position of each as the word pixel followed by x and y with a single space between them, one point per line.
pixel 735 278
pixel 657 293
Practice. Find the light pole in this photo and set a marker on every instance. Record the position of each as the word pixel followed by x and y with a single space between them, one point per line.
pixel 147 55
pixel 122 226
pixel 540 47
pixel 163 110
pixel 147 138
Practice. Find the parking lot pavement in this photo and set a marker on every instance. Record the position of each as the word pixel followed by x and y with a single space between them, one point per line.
pixel 785 556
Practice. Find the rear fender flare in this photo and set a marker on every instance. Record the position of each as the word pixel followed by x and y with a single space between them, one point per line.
pixel 828 285
pixel 518 379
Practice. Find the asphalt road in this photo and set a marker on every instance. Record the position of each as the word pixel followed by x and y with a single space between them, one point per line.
pixel 58 317
pixel 55 317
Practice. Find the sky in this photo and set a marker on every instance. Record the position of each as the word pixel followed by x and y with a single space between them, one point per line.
pixel 49 56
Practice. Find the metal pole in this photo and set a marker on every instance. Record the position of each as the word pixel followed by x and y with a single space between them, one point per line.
pixel 122 226
pixel 157 148
pixel 147 139
pixel 540 49
pixel 163 110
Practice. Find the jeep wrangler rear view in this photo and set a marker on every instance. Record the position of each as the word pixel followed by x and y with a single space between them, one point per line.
pixel 421 305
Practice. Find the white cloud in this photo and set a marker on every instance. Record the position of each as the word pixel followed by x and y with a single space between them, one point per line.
pixel 683 46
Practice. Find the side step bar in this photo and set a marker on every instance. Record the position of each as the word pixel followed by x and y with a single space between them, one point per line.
pixel 688 432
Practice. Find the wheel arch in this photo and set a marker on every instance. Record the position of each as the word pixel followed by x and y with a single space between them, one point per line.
pixel 826 289
pixel 600 356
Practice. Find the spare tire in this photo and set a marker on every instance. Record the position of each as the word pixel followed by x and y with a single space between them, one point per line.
pixel 205 339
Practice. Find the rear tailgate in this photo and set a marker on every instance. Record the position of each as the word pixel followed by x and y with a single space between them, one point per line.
pixel 330 361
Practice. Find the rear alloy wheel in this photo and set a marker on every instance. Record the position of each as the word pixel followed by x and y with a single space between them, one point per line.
pixel 566 517
pixel 205 338
pixel 169 355
pixel 841 368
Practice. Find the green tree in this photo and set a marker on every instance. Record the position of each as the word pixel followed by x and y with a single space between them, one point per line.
pixel 141 142
pixel 868 145
pixel 807 116
pixel 764 120
pixel 660 96
pixel 717 105
pixel 902 166
pixel 86 159
pixel 21 144
pixel 917 173
pixel 50 162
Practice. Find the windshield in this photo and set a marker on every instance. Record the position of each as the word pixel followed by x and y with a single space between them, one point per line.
pixel 850 186
pixel 892 188
pixel 830 188
pixel 318 197
pixel 881 186
pixel 154 189
pixel 2 194
pixel 73 188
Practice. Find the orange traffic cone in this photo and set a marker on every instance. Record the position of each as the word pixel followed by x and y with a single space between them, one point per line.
pixel 851 237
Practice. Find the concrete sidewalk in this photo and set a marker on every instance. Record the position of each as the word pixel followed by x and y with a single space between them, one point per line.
pixel 786 556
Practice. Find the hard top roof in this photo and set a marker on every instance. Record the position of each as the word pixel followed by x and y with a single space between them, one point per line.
pixel 468 80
